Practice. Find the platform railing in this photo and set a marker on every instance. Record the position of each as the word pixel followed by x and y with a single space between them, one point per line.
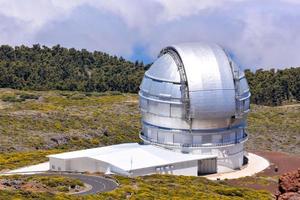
pixel 150 140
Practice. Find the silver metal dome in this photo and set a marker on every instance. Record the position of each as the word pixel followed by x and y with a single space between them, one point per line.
pixel 195 99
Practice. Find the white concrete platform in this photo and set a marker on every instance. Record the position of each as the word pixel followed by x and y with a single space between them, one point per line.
pixel 32 169
pixel 255 164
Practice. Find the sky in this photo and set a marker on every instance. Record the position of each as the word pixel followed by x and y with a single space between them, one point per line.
pixel 258 33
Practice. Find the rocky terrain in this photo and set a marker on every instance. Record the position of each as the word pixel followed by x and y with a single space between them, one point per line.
pixel 53 184
pixel 289 186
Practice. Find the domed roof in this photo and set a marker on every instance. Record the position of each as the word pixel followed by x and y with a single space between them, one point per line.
pixel 195 96
pixel 164 69
pixel 206 66
pixel 204 76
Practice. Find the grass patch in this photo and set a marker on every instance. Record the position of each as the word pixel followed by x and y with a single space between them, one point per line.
pixel 81 120
pixel 274 128
pixel 58 181
pixel 66 121
pixel 12 98
pixel 19 159
pixel 157 187
pixel 179 187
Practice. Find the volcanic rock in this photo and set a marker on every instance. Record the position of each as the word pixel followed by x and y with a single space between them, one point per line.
pixel 289 186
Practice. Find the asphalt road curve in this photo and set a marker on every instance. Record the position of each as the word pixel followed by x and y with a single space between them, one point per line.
pixel 98 183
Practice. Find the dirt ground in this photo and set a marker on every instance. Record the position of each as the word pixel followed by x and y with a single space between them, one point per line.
pixel 284 162
pixel 268 179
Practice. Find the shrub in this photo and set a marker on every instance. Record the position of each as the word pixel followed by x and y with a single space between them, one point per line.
pixel 11 98
pixel 63 189
pixel 230 192
pixel 28 96
pixel 77 96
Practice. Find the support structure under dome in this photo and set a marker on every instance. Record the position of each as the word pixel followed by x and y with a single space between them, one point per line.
pixel 195 99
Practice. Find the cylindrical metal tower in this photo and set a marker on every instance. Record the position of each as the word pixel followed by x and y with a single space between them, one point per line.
pixel 195 99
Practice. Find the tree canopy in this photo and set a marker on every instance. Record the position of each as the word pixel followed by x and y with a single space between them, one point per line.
pixel 58 68
pixel 271 87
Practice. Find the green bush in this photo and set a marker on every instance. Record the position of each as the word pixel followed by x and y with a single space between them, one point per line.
pixel 114 93
pixel 230 192
pixel 14 160
pixel 59 181
pixel 11 98
pixel 77 96
pixel 63 189
pixel 28 96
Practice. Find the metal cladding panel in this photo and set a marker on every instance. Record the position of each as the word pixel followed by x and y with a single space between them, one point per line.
pixel 168 122
pixel 155 88
pixel 176 93
pixel 164 69
pixel 146 84
pixel 210 123
pixel 161 109
pixel 243 86
pixel 143 104
pixel 160 89
pixel 206 66
pixel 177 111
pixel 178 123
pixel 212 104
pixel 210 80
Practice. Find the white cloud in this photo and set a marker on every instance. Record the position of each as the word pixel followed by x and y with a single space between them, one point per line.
pixel 175 9
pixel 260 33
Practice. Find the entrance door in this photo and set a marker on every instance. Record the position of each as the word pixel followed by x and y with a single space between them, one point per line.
pixel 207 166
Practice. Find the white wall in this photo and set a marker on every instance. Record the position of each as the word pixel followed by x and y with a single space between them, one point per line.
pixel 88 165
pixel 230 156
pixel 189 168
pixel 57 164
pixel 78 165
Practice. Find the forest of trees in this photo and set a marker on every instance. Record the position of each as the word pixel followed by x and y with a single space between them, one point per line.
pixel 273 87
pixel 58 68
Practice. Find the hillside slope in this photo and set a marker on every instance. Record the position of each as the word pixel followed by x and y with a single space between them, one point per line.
pixel 274 128
pixel 33 124
pixel 36 123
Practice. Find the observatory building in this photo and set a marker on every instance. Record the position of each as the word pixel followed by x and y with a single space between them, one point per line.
pixel 194 100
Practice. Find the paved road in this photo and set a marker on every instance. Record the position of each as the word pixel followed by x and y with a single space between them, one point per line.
pixel 99 184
